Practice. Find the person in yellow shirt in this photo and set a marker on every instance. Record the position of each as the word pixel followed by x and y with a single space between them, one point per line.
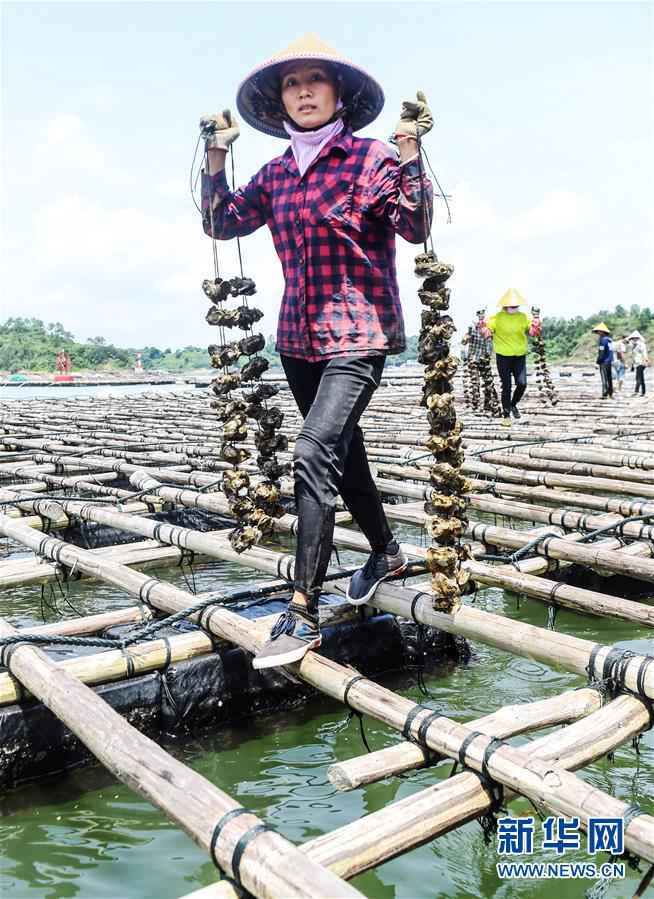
pixel 509 329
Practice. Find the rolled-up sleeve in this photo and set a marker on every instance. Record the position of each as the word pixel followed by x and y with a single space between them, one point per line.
pixel 401 196
pixel 238 212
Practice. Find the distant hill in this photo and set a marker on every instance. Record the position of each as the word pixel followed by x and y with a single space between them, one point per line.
pixel 572 340
pixel 31 345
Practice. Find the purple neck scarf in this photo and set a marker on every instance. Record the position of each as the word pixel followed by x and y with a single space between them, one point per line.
pixel 307 144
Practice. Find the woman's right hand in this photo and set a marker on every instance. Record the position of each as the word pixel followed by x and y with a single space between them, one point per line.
pixel 219 130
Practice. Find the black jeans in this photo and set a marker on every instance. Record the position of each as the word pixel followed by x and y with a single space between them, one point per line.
pixel 507 366
pixel 330 458
pixel 606 374
pixel 640 379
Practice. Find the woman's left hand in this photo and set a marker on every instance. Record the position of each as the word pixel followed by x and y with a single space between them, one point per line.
pixel 416 119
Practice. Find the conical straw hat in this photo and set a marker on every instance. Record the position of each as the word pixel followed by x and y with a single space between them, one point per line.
pixel 602 327
pixel 258 96
pixel 635 335
pixel 511 298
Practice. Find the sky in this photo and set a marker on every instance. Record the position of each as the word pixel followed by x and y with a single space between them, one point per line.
pixel 544 140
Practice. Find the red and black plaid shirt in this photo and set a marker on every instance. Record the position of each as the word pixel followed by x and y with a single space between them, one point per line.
pixel 334 232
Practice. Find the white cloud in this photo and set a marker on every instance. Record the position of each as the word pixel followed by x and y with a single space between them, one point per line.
pixel 68 145
pixel 470 210
pixel 76 231
pixel 128 264
pixel 557 211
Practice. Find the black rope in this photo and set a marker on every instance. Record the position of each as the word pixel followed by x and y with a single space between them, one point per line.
pixel 348 686
pixel 514 557
pixel 617 528
pixel 187 557
pixel 645 882
pixel 143 633
pixel 590 667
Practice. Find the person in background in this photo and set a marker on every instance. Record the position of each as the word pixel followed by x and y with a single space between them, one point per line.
pixel 478 343
pixel 640 360
pixel 620 360
pixel 509 329
pixel 465 340
pixel 605 359
pixel 334 204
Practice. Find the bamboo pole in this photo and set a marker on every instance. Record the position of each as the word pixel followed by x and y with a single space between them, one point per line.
pixel 270 865
pixel 115 665
pixel 508 721
pixel 642 460
pixel 551 787
pixel 590 555
pixel 539 643
pixel 381 835
pixel 608 555
pixel 638 530
pixel 423 816
pixel 536 479
pixel 557 593
pixel 569 498
pixel 571 597
pixel 542 463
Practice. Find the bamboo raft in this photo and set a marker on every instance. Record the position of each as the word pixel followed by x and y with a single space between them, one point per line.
pixel 560 509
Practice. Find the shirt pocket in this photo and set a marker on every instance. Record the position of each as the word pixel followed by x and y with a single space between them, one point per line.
pixel 332 202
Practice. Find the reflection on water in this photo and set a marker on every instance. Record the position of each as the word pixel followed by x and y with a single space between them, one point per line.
pixel 82 834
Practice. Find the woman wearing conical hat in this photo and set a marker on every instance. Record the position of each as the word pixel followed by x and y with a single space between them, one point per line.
pixel 605 358
pixel 509 329
pixel 640 360
pixel 333 203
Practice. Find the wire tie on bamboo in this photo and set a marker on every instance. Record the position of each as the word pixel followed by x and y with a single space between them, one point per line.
pixel 602 885
pixel 412 611
pixel 7 650
pixel 408 721
pixel 169 654
pixel 129 661
pixel 431 757
pixel 614 669
pixel 288 561
pixel 233 813
pixel 348 686
pixel 488 821
pixel 241 845
pixel 146 589
pixel 640 684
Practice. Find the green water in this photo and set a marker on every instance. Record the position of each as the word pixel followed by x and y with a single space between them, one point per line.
pixel 86 835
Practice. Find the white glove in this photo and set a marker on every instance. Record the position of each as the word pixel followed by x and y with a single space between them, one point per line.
pixel 219 130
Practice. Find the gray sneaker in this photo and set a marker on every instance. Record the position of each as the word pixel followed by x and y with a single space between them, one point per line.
pixel 378 568
pixel 295 632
